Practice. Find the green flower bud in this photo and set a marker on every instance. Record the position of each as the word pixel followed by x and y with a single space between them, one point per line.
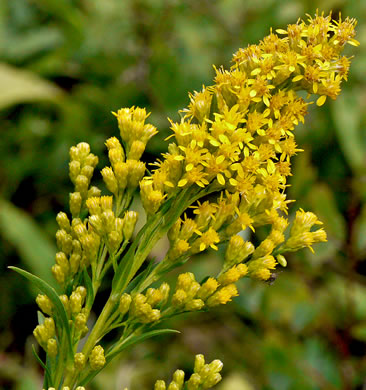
pixel 96 358
pixel 94 192
pixel 79 361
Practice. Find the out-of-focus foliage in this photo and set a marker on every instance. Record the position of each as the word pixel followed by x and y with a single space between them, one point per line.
pixel 64 66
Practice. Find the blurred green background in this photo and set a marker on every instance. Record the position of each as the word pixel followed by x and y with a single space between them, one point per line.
pixel 64 66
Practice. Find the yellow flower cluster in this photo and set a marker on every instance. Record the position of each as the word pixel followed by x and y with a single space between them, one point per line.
pixel 236 140
pixel 226 171
pixel 205 376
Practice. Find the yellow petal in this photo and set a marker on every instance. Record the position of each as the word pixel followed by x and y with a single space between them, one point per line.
pixel 321 100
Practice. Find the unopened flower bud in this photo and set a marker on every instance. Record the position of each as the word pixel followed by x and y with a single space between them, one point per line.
pixel 124 303
pixel 76 301
pixel 199 362
pixel 58 273
pixel 74 170
pixel 96 358
pixel 63 222
pixel 160 385
pixel 110 180
pixel 129 223
pixel 194 304
pixel 52 347
pixel 281 260
pixel 136 150
pixel 136 170
pixel 79 361
pixel 81 185
pixel 87 171
pixel 94 192
pixel 75 203
pixel 44 304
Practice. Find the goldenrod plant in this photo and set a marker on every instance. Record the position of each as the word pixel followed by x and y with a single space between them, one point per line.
pixel 225 173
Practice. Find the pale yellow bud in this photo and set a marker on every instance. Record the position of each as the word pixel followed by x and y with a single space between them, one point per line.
pixel 211 380
pixel 199 363
pixel 153 296
pixel 160 385
pixel 80 321
pixel 136 150
pixel 178 377
pixel 222 296
pixel 52 347
pixel 136 170
pixel 194 382
pixel 194 304
pixel 64 241
pixel 116 155
pixel 65 301
pixel 74 170
pixel 74 263
pixel 76 301
pixel 87 171
pixel 94 192
pixel 207 288
pixel 91 160
pixel 63 222
pixel 164 290
pixel 129 223
pixel 185 281
pixel 179 298
pixel 75 203
pixel 110 180
pixel 62 261
pixel 44 304
pixel 96 358
pixel 58 274
pixel 173 386
pixel 281 260
pixel 121 173
pixel 82 185
pixel 93 205
pixel 84 150
pixel 124 303
pixel 108 220
pixel 79 361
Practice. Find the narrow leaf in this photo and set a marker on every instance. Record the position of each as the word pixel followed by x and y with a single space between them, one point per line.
pixel 52 295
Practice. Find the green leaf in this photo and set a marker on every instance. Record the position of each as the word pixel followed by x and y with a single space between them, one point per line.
pixel 22 86
pixel 47 378
pixel 53 296
pixel 33 246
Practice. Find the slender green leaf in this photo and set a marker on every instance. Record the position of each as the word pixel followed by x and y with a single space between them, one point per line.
pixel 47 378
pixel 89 289
pixel 53 296
pixel 34 247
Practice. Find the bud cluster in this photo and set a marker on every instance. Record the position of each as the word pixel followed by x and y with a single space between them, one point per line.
pixel 205 376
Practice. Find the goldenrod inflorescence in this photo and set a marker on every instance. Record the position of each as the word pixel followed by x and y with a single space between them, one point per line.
pixel 226 171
